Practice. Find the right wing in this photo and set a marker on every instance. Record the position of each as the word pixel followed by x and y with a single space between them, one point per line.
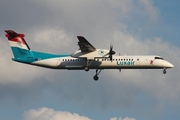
pixel 84 45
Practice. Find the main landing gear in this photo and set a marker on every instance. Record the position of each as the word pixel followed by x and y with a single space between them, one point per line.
pixel 86 68
pixel 87 65
pixel 96 75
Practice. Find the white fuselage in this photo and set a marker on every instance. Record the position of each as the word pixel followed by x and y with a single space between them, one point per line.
pixel 118 62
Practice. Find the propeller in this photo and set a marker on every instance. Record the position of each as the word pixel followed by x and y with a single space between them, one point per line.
pixel 111 52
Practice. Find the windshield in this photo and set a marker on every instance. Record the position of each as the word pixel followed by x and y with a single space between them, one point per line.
pixel 159 58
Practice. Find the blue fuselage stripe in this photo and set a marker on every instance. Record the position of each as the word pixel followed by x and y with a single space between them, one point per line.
pixel 28 56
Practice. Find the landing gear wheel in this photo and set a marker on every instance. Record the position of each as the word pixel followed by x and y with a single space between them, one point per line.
pixel 164 71
pixel 86 68
pixel 87 65
pixel 96 77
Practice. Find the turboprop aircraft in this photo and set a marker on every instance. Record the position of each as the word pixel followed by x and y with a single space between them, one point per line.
pixel 87 57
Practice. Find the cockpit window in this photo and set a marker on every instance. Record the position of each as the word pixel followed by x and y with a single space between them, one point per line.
pixel 159 58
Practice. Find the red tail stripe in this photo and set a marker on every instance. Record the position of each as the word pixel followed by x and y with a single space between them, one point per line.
pixel 18 39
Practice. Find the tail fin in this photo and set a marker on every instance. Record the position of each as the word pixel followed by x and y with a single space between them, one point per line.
pixel 18 45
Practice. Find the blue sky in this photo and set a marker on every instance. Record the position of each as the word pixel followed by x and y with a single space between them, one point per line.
pixel 170 20
pixel 133 27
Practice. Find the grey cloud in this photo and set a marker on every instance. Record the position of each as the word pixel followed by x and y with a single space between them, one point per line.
pixel 21 14
pixel 126 118
pixel 150 9
pixel 50 114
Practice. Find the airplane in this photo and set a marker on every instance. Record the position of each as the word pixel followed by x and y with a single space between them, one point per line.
pixel 86 58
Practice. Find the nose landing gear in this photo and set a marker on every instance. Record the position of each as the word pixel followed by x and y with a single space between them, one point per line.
pixel 164 71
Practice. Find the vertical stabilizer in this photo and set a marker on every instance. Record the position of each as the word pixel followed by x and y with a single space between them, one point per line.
pixel 18 45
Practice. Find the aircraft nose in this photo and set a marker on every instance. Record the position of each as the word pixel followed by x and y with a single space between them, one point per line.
pixel 169 65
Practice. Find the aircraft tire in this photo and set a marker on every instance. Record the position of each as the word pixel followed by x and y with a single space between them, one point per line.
pixel 164 71
pixel 86 69
pixel 96 77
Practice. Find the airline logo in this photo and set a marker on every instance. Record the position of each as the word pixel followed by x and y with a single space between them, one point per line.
pixel 125 63
pixel 101 52
pixel 151 62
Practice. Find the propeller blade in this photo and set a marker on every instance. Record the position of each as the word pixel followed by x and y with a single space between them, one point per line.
pixel 111 52
pixel 110 56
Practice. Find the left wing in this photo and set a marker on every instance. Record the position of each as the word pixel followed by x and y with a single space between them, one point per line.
pixel 84 45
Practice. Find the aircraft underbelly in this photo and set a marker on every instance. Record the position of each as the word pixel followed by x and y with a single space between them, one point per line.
pixel 46 63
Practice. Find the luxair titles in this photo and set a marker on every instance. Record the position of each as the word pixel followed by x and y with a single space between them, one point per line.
pixel 125 62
